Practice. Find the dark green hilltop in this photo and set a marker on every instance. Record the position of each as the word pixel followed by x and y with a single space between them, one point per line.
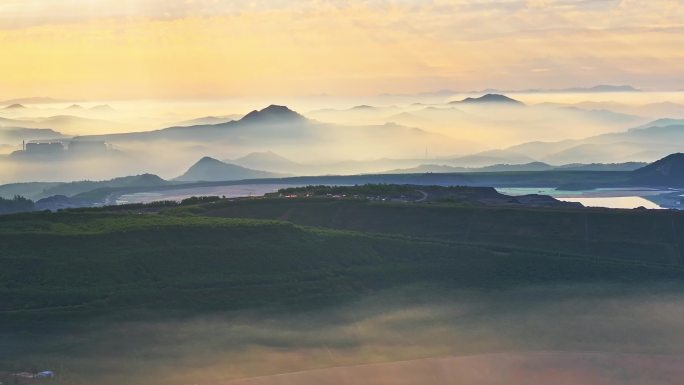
pixel 313 249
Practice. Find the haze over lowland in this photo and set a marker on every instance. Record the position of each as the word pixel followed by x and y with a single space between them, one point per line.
pixel 341 192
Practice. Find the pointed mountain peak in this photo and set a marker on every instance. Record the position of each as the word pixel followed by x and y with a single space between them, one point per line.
pixel 208 160
pixel 491 98
pixel 15 106
pixel 210 169
pixel 273 114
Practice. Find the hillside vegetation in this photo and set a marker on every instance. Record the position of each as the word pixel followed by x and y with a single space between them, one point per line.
pixel 251 253
pixel 91 291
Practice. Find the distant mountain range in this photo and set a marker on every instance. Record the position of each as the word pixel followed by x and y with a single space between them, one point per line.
pixel 644 143
pixel 209 169
pixel 102 108
pixel 39 190
pixel 63 123
pixel 598 88
pixel 208 120
pixel 532 166
pixel 667 172
pixel 268 160
pixel 14 135
pixel 450 92
pixel 282 129
pixel 33 100
pixel 649 110
pixel 15 106
pixel 276 120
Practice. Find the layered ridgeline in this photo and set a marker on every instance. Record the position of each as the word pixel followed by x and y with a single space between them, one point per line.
pixel 272 138
pixel 283 130
pixel 645 142
pixel 665 173
pixel 271 125
pixel 40 190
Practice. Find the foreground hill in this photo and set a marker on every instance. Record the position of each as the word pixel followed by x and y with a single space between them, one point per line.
pixel 204 293
pixel 668 171
pixel 234 254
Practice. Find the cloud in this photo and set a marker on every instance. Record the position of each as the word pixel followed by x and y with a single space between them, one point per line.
pixel 206 47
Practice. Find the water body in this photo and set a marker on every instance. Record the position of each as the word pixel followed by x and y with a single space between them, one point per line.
pixel 231 191
pixel 628 202
pixel 626 198
pixel 622 198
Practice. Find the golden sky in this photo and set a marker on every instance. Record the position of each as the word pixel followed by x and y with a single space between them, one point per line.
pixel 213 48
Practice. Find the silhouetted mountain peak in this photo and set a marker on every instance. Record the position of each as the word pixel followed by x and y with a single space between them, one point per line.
pixel 273 114
pixel 490 98
pixel 139 180
pixel 208 160
pixel 15 106
pixel 210 169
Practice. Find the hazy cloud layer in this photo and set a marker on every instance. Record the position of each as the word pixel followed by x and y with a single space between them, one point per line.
pixel 110 48
pixel 609 334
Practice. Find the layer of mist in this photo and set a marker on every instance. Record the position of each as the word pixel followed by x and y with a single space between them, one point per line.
pixel 587 334
pixel 342 136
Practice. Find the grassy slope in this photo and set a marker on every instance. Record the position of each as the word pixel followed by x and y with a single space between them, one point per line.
pixel 69 277
pixel 73 264
pixel 654 237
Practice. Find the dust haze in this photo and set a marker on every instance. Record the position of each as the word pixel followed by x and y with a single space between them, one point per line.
pixel 588 333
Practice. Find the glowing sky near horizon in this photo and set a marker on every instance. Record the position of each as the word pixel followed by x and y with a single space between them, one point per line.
pixel 212 48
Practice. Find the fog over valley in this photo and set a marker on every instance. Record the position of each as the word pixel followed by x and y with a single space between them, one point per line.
pixel 389 133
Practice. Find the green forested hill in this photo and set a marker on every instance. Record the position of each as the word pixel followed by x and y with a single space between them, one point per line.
pixel 232 255
pixel 104 295
pixel 647 236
